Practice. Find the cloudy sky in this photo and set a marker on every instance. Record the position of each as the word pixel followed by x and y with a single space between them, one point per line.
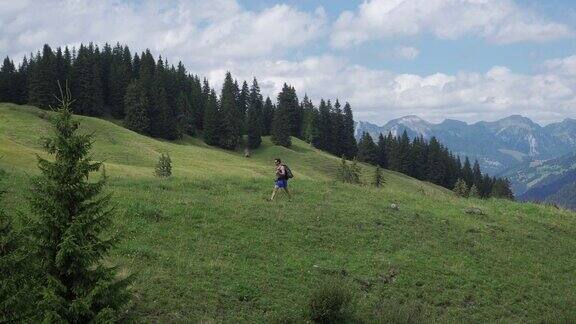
pixel 463 59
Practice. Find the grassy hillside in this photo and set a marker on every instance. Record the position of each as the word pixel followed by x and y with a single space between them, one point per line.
pixel 206 245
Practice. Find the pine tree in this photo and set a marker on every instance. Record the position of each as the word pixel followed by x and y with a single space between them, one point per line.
pixel 367 149
pixel 467 173
pixel 474 193
pixel 163 119
pixel 476 175
pixel 419 158
pixel 382 159
pixel 70 219
pixel 136 103
pixel 42 79
pixel 8 90
pixel 21 82
pixel 501 189
pixel 435 171
pixel 281 128
pixel 486 188
pixel 324 139
pixel 267 117
pixel 104 65
pixel 230 123
pixel 164 166
pixel 404 157
pixel 87 86
pixel 243 106
pixel 338 130
pixel 378 180
pixel 254 116
pixel 349 146
pixel 197 102
pixel 184 115
pixel 392 152
pixel 309 127
pixel 119 79
pixel 212 120
pixel 461 189
pixel 288 103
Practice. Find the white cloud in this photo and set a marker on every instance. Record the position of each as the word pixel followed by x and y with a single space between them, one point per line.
pixel 380 95
pixel 498 21
pixel 198 32
pixel 565 66
pixel 407 52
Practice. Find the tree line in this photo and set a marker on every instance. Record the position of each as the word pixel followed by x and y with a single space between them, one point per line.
pixel 165 101
pixel 429 160
pixel 160 100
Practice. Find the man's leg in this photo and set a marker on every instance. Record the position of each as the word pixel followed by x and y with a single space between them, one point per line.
pixel 287 192
pixel 274 193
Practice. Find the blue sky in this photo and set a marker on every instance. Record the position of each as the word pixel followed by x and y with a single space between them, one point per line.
pixel 462 59
pixel 449 56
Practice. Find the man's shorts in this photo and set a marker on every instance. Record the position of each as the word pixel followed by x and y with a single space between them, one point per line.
pixel 282 183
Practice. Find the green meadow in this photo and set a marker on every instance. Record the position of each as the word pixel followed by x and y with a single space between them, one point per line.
pixel 206 246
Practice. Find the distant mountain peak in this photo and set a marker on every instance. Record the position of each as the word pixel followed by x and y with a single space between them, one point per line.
pixel 517 120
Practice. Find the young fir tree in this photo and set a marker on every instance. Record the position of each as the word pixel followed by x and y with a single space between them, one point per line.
pixel 378 180
pixel 254 116
pixel 474 193
pixel 136 105
pixel 355 172
pixel 461 189
pixel 71 217
pixel 164 166
pixel 212 120
pixel 349 173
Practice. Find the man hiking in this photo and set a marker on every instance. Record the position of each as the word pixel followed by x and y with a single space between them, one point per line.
pixel 283 173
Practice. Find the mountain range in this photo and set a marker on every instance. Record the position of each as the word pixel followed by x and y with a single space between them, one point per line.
pixel 498 146
pixel 552 181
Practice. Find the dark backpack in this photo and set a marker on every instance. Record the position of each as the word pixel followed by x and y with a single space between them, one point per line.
pixel 289 174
